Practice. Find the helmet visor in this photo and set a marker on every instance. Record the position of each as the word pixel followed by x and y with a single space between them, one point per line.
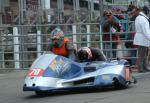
pixel 55 38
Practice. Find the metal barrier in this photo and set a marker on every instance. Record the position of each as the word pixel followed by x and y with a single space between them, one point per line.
pixel 22 44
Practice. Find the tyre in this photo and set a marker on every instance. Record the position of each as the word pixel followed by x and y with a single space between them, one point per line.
pixel 117 84
pixel 42 93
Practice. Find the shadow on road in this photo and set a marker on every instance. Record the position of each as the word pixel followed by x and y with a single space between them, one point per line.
pixel 74 92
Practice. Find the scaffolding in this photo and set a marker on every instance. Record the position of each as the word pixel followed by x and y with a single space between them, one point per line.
pixel 25 37
pixel 31 12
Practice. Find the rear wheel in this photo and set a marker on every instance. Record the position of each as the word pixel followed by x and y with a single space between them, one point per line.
pixel 117 84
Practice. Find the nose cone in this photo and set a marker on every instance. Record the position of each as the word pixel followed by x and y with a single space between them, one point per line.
pixel 39 83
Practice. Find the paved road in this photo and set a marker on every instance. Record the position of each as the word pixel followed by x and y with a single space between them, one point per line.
pixel 11 92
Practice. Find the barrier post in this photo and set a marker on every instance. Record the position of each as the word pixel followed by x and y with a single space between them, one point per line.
pixel 74 35
pixel 88 35
pixel 16 47
pixel 100 35
pixel 38 43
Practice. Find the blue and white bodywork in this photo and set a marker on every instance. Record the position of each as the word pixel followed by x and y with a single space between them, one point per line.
pixel 51 72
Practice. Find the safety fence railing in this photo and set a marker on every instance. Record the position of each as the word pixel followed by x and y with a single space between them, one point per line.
pixel 22 44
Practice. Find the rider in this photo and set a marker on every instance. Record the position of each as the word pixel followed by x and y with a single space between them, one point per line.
pixel 61 45
pixel 86 54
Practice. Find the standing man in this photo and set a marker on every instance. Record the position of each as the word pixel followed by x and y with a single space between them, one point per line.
pixel 110 25
pixel 142 38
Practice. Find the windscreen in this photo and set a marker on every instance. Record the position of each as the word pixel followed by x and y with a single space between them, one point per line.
pixel 61 68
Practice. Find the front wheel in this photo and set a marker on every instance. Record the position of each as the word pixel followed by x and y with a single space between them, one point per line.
pixel 42 93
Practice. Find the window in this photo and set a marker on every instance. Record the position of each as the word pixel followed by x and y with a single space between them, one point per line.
pixel 70 2
pixel 13 0
pixel 110 1
pixel 83 3
pixel 53 3
pixel 96 6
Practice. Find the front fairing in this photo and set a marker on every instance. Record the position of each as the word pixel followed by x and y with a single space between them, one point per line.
pixel 48 69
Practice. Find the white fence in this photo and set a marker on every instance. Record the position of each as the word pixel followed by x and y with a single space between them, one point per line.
pixel 24 43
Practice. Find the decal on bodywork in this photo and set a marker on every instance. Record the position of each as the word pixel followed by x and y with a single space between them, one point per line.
pixel 35 72
pixel 58 65
pixel 127 73
pixel 106 77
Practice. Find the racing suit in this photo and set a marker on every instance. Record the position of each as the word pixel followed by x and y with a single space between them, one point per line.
pixel 66 49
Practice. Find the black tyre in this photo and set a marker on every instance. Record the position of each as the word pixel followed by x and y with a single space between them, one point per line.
pixel 117 84
pixel 42 93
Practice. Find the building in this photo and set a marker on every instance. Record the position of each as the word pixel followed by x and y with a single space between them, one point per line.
pixel 52 11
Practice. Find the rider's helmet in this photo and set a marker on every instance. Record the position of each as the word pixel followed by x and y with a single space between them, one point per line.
pixel 84 54
pixel 57 36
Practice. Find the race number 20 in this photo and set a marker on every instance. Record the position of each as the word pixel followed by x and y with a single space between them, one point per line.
pixel 35 72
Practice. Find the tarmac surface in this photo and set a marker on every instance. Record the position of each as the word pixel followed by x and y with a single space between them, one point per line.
pixel 11 83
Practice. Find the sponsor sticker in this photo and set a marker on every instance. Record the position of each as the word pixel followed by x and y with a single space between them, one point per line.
pixel 35 72
pixel 57 65
pixel 105 77
pixel 127 73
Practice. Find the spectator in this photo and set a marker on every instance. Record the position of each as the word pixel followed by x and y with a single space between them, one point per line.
pixel 129 44
pixel 122 18
pixel 110 24
pixel 134 13
pixel 119 14
pixel 142 38
pixel 131 7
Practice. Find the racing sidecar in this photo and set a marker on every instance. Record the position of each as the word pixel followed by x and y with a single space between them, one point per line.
pixel 52 72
